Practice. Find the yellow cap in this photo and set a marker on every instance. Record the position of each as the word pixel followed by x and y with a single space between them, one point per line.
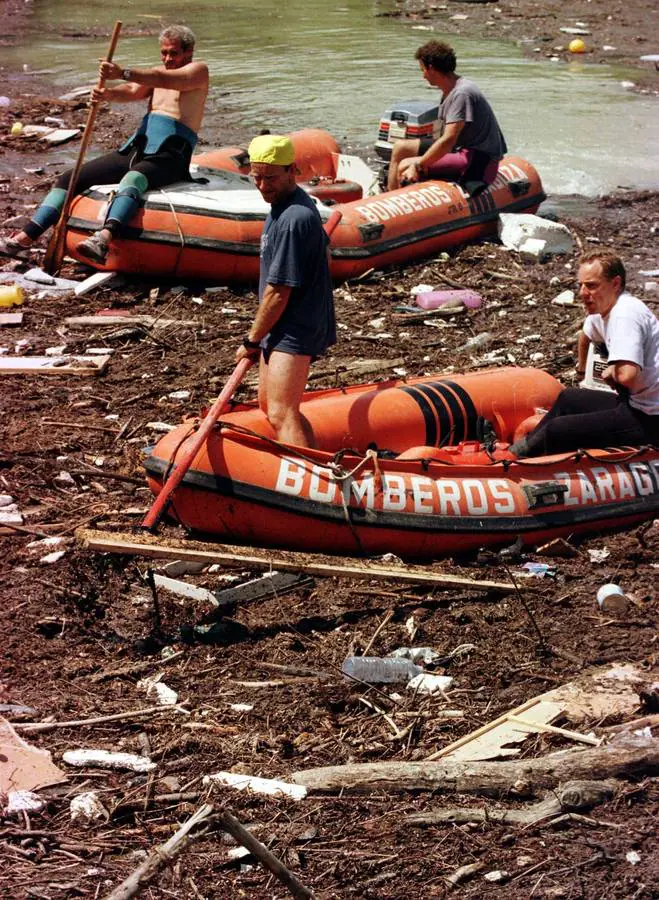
pixel 273 149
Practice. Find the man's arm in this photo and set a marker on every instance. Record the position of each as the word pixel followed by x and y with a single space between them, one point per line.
pixel 621 374
pixel 582 353
pixel 190 77
pixel 121 93
pixel 410 169
pixel 271 308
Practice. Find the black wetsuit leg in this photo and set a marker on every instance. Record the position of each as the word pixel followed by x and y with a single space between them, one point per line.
pixel 581 418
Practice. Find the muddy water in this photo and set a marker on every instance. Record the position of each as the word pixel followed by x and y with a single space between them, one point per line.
pixel 309 63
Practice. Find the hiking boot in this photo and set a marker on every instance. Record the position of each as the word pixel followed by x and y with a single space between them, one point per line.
pixel 13 248
pixel 94 247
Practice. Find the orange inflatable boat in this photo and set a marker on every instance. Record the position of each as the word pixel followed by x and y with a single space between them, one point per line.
pixel 210 228
pixel 399 468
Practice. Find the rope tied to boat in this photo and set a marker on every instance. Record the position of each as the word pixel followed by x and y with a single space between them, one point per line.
pixel 178 227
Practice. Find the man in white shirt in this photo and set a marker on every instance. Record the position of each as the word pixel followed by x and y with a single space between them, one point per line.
pixel 625 331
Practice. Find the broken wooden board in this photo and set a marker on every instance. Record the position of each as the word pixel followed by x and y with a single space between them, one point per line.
pixel 11 318
pixel 98 279
pixel 360 367
pixel 604 692
pixel 492 740
pixel 102 321
pixel 53 365
pixel 286 561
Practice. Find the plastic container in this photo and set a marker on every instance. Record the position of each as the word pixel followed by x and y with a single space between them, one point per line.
pixel 380 670
pixel 479 340
pixel 435 299
pixel 11 295
pixel 611 599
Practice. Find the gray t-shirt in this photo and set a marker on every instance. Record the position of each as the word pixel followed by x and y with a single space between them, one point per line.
pixel 466 103
pixel 294 253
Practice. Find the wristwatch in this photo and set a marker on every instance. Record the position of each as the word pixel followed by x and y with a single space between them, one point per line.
pixel 126 75
pixel 250 345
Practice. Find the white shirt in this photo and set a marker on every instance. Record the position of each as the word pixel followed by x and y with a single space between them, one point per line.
pixel 630 332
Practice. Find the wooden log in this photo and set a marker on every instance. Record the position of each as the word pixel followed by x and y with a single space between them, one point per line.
pixel 570 796
pixel 285 561
pixel 526 776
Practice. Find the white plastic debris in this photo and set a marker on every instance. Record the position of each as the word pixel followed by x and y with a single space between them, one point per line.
pixel 419 655
pixel 6 500
pixel 598 556
pixel 64 478
pixel 526 233
pixel 157 690
pixel 108 760
pixel 565 298
pixel 50 558
pixel 160 427
pixel 425 683
pixel 179 395
pixel 88 808
pixel 633 857
pixel 269 786
pixel 497 876
pixel 241 707
pixel 23 801
pixel 421 289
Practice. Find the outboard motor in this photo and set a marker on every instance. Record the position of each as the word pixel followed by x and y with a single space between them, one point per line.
pixel 405 119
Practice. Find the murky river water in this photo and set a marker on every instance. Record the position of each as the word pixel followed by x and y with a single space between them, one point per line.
pixel 309 63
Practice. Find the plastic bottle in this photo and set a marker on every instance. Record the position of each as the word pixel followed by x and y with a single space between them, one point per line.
pixel 380 670
pixel 11 295
pixel 479 340
pixel 435 299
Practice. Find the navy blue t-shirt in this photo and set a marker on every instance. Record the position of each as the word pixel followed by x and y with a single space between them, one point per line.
pixel 294 253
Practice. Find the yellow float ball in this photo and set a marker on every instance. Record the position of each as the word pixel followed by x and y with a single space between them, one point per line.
pixel 577 46
pixel 16 128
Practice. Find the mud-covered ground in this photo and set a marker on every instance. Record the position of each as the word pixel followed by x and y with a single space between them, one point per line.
pixel 79 633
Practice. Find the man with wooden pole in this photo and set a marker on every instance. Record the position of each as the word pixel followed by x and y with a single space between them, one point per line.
pixel 158 153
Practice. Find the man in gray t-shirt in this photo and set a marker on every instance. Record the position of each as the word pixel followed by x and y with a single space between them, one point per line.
pixel 295 319
pixel 471 143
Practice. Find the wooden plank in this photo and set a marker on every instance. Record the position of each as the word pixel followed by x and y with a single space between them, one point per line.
pixel 286 561
pixel 147 321
pixel 53 365
pixel 11 318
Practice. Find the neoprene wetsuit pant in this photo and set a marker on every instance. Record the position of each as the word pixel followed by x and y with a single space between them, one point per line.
pixel 582 418
pixel 135 174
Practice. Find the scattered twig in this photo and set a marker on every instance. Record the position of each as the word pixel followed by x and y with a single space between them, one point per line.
pixel 161 856
pixel 76 723
pixel 229 823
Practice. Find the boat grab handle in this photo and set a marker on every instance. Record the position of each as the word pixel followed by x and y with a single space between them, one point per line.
pixel 546 493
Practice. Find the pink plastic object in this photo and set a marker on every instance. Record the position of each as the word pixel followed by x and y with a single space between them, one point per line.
pixel 433 299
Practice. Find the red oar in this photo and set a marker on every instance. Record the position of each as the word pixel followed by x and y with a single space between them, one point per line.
pixel 162 500
pixel 160 504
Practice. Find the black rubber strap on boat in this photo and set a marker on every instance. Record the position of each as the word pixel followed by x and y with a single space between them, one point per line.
pixel 448 412
pixel 470 409
pixel 428 417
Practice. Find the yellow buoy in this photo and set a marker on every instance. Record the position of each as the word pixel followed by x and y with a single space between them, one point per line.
pixel 16 128
pixel 577 46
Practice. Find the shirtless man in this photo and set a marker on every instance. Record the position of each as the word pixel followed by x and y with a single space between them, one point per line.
pixel 158 153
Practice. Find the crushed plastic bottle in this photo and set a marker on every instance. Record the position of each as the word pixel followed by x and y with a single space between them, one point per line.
pixel 379 670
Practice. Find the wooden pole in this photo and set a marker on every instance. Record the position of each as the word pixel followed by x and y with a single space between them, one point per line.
pixel 55 251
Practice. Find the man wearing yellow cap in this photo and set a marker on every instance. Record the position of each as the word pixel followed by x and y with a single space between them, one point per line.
pixel 295 319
